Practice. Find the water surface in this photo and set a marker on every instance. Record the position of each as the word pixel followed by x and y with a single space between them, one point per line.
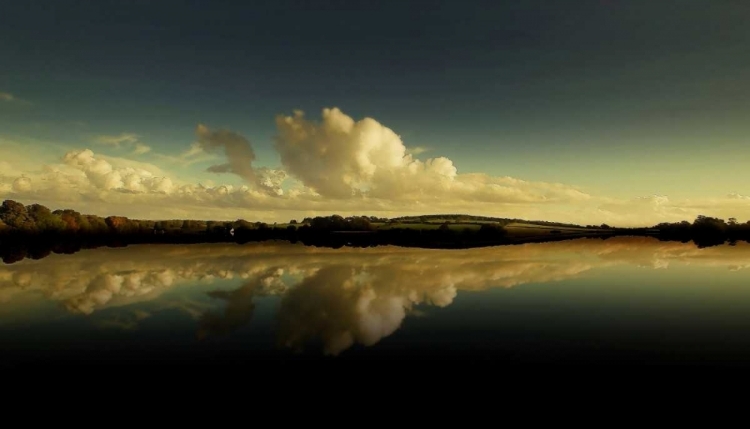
pixel 616 301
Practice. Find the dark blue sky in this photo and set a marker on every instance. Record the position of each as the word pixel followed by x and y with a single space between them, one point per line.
pixel 594 87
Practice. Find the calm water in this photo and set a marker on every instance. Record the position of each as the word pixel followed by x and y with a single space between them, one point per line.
pixel 625 300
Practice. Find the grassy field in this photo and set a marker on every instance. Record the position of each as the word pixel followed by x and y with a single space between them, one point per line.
pixel 430 225
pixel 387 226
pixel 518 230
pixel 514 230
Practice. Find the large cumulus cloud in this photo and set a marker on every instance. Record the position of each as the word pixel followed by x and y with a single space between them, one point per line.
pixel 341 158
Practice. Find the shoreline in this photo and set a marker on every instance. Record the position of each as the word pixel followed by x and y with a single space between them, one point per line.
pixel 27 246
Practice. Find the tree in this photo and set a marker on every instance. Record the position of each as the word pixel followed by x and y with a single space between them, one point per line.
pixel 73 220
pixel 145 225
pixel 492 230
pixel 15 215
pixel 97 224
pixel 44 219
pixel 217 228
pixel 119 224
pixel 243 224
pixel 732 221
pixel 192 225
pixel 708 226
pixel 360 224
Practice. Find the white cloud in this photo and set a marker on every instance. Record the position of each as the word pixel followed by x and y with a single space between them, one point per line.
pixel 103 185
pixel 141 148
pixel 10 98
pixel 116 141
pixel 124 140
pixel 22 184
pixel 338 157
pixel 417 150
pixel 194 155
pixel 103 176
pixel 342 158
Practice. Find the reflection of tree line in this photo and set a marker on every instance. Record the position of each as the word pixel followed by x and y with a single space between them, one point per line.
pixel 34 232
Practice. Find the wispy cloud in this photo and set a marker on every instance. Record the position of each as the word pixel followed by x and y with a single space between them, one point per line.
pixel 416 150
pixel 195 154
pixel 124 139
pixel 118 140
pixel 141 148
pixel 10 98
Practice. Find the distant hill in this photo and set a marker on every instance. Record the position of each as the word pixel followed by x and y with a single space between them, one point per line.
pixel 464 218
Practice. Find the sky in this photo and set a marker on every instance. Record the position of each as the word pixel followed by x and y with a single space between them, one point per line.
pixel 587 111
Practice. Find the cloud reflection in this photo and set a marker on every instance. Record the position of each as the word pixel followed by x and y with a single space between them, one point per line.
pixel 330 298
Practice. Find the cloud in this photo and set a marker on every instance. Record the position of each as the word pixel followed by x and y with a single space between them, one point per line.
pixel 10 98
pixel 22 184
pixel 416 150
pixel 98 184
pixel 240 156
pixel 141 148
pixel 117 140
pixel 271 179
pixel 194 155
pixel 342 158
pixel 653 209
pixel 338 157
pixel 338 165
pixel 237 149
pixel 122 162
pixel 102 175
pixel 124 139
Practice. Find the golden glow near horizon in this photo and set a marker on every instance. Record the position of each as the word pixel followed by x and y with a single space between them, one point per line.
pixel 336 166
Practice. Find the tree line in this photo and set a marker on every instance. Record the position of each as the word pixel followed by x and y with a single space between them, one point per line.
pixel 705 230
pixel 35 229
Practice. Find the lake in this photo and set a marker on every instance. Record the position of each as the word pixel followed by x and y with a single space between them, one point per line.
pixel 617 301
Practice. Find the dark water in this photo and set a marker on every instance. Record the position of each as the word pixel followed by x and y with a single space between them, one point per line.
pixel 623 301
